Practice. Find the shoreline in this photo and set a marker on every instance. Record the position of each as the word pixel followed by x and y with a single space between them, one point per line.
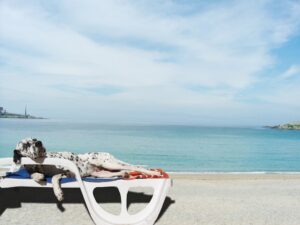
pixel 238 173
pixel 234 176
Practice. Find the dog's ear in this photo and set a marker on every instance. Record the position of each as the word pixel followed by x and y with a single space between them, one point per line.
pixel 38 144
pixel 17 156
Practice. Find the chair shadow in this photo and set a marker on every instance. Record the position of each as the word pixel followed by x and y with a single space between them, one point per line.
pixel 14 197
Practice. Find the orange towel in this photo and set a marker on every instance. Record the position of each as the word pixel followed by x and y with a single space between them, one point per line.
pixel 139 175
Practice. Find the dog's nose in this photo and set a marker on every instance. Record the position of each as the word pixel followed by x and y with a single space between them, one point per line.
pixel 17 156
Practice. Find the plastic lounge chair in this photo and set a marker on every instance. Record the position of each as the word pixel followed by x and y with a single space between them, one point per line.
pixel 100 217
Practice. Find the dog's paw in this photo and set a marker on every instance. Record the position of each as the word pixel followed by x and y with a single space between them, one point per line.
pixel 126 175
pixel 37 177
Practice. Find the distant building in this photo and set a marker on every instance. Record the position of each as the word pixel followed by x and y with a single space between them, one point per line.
pixel 2 111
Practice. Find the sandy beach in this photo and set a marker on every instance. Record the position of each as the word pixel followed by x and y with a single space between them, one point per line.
pixel 210 199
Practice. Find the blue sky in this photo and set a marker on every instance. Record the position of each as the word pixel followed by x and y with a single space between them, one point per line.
pixel 173 62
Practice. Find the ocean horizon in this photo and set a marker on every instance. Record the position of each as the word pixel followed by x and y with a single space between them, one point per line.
pixel 176 148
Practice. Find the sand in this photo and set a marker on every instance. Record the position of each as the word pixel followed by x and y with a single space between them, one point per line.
pixel 210 199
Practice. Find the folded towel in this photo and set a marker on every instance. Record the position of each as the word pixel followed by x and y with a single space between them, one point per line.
pixel 139 175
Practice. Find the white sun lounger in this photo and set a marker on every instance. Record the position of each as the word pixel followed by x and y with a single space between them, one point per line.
pixel 100 217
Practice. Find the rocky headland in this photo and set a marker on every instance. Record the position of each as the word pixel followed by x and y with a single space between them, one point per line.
pixel 287 126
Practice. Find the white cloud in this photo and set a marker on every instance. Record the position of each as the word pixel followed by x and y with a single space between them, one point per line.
pixel 291 71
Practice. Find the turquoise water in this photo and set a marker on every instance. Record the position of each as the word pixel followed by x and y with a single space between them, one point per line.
pixel 174 148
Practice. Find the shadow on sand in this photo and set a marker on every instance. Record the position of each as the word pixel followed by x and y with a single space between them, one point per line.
pixel 14 197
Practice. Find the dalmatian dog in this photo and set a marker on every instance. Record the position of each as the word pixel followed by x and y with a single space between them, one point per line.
pixel 95 164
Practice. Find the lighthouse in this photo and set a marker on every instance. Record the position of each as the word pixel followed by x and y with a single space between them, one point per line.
pixel 26 112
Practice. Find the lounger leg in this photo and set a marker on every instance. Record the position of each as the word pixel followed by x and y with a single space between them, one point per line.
pixel 145 217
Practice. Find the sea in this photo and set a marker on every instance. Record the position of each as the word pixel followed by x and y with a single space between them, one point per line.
pixel 175 148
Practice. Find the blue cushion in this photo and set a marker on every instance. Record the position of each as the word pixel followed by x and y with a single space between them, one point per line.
pixel 20 174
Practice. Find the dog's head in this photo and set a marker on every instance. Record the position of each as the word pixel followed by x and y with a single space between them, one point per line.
pixel 29 147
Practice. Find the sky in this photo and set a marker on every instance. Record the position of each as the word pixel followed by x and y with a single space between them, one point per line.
pixel 231 63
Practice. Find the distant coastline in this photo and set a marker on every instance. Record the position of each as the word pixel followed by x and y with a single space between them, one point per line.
pixel 19 116
pixel 7 115
pixel 287 126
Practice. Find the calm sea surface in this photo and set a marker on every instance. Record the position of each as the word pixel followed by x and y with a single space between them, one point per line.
pixel 174 148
